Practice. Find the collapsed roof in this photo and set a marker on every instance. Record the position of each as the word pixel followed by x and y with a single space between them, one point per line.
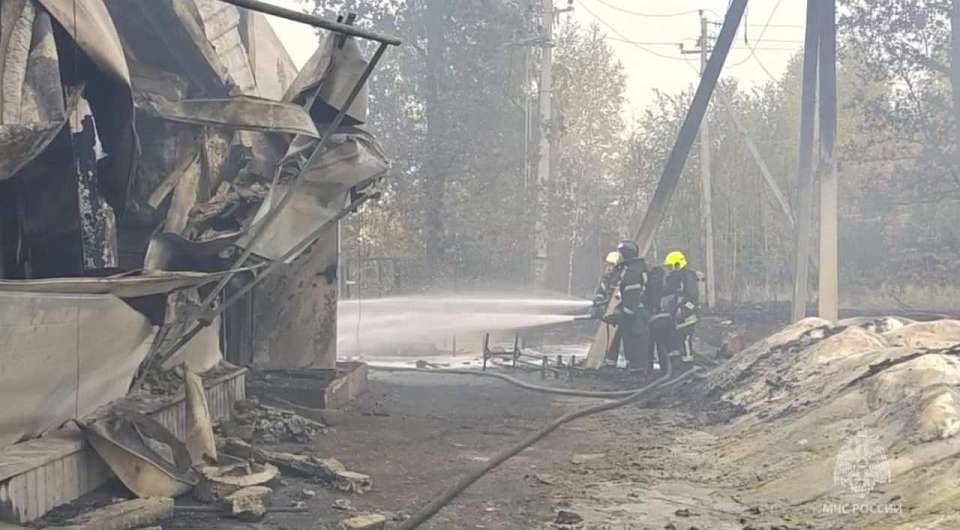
pixel 140 142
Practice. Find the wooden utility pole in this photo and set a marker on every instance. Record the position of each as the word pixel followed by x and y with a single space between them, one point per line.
pixel 828 288
pixel 546 131
pixel 808 101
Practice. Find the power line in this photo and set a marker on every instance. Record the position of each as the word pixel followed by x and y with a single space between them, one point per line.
pixel 648 15
pixel 641 43
pixel 643 46
pixel 753 49
pixel 677 44
pixel 624 37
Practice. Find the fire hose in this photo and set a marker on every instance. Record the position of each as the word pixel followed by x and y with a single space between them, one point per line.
pixel 514 381
pixel 439 502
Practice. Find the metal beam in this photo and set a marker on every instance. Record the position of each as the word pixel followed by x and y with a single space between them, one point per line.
pixel 312 20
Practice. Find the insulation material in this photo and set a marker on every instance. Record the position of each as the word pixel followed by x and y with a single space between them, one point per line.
pixel 32 109
pixel 57 363
pixel 935 334
pixel 940 416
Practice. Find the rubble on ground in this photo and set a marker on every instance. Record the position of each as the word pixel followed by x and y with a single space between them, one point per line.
pixel 249 504
pixel 254 422
pixel 124 515
pixel 568 520
pixel 370 521
pixel 218 483
pixel 329 471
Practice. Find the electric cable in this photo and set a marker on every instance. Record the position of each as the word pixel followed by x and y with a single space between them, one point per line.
pixel 512 380
pixel 647 15
pixel 439 502
pixel 622 36
pixel 753 49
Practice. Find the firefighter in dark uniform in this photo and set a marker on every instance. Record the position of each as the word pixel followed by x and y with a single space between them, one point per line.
pixel 681 288
pixel 632 317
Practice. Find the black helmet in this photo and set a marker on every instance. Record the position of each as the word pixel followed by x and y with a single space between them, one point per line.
pixel 628 249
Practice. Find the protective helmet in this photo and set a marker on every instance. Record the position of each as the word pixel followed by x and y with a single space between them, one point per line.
pixel 628 249
pixel 613 258
pixel 675 261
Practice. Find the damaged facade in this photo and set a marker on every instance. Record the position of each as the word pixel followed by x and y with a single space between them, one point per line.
pixel 144 147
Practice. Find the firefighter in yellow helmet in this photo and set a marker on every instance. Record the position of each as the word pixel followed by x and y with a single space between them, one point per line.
pixel 682 293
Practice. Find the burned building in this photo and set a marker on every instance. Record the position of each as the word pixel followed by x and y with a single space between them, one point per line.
pixel 170 187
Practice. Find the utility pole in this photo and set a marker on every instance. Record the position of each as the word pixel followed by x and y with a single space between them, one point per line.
pixel 828 288
pixel 808 103
pixel 546 131
pixel 706 179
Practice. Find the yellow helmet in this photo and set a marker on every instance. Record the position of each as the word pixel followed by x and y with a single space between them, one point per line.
pixel 675 260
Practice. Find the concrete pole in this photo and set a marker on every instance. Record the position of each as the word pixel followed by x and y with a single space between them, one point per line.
pixel 828 289
pixel 808 101
pixel 543 165
pixel 706 181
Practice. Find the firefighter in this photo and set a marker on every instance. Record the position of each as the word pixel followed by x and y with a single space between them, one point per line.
pixel 684 294
pixel 632 317
pixel 608 281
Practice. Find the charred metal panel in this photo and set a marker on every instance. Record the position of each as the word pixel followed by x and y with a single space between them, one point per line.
pixel 296 312
pixel 56 362
pixel 98 225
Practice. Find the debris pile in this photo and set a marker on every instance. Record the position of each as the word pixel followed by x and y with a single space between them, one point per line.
pixel 228 475
pixel 863 412
pixel 253 422
pixel 124 515
pixel 328 471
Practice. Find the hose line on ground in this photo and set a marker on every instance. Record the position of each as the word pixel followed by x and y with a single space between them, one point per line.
pixel 515 381
pixel 431 509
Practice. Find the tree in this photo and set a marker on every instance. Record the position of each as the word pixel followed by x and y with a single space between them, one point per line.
pixel 590 146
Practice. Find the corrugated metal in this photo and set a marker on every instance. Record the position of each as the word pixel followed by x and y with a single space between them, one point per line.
pixel 60 468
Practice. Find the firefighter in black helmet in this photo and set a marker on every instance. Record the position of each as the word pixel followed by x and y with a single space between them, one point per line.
pixel 632 317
